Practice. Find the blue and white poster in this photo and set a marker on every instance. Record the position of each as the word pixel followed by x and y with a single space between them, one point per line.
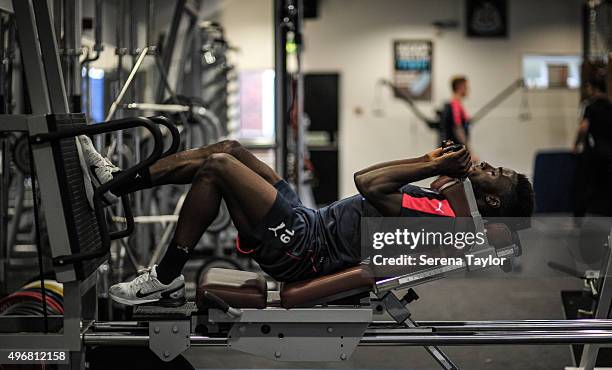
pixel 412 67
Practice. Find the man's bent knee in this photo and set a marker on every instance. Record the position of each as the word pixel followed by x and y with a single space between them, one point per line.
pixel 230 146
pixel 233 147
pixel 217 162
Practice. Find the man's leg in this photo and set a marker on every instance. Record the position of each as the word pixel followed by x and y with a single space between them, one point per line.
pixel 221 175
pixel 248 196
pixel 181 168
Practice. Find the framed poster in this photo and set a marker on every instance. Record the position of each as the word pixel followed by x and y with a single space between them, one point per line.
pixel 486 18
pixel 412 67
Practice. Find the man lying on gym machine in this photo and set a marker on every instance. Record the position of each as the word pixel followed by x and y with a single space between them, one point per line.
pixel 290 241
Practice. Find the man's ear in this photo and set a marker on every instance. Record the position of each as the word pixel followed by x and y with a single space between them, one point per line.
pixel 493 201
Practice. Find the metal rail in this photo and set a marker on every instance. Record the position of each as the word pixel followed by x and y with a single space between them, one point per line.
pixel 404 339
pixel 509 325
pixel 450 333
pixel 527 337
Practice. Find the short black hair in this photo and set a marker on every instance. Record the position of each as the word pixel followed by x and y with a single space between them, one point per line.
pixel 598 82
pixel 457 81
pixel 520 200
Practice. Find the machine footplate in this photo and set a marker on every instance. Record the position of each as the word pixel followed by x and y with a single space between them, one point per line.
pixel 149 312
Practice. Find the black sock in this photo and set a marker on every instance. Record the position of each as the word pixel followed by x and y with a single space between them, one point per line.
pixel 172 264
pixel 142 180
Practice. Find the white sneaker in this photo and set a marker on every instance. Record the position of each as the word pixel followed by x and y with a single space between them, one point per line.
pixel 89 190
pixel 99 169
pixel 147 289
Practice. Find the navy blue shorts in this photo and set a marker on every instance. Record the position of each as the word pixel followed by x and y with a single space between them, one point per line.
pixel 284 243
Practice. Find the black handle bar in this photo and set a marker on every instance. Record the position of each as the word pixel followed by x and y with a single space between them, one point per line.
pixel 124 176
pixel 174 132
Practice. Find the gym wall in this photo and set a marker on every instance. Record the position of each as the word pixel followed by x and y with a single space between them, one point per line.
pixel 352 39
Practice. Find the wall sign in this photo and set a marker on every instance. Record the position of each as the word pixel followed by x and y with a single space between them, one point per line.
pixel 412 67
pixel 487 18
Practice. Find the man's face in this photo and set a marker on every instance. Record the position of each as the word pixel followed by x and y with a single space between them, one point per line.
pixel 463 89
pixel 492 180
pixel 589 90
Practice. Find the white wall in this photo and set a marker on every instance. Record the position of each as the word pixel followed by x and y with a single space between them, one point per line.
pixel 248 25
pixel 354 37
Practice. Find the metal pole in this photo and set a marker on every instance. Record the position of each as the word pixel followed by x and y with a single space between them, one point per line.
pixel 425 339
pixel 4 160
pixel 382 327
pixel 58 15
pixel 76 103
pixel 195 87
pixel 143 340
pixel 535 337
pixel 32 57
pixel 280 87
pixel 150 42
pixel 120 51
pixel 4 199
pixel 168 48
pixel 98 26
pixel 50 56
pixel 300 150
pixel 495 101
pixel 126 85
pixel 71 52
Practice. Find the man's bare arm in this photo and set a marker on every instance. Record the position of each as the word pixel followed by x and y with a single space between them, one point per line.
pixel 422 159
pixel 581 135
pixel 381 186
pixel 399 162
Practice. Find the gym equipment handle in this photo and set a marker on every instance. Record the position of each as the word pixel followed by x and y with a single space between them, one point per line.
pixel 174 132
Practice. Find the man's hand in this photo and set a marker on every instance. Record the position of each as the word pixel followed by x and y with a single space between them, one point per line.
pixel 453 164
pixel 447 147
pixel 434 154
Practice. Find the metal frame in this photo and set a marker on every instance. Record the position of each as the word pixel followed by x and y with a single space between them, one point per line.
pixel 80 297
pixel 590 352
pixel 315 334
pixel 47 95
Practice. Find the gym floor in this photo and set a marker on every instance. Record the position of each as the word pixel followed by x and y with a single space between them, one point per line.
pixel 533 292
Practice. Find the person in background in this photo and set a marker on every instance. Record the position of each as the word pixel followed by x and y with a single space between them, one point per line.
pixel 594 144
pixel 456 125
pixel 580 182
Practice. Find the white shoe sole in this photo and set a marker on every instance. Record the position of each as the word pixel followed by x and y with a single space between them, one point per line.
pixel 132 302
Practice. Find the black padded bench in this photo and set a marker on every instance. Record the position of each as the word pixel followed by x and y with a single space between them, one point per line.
pixel 243 289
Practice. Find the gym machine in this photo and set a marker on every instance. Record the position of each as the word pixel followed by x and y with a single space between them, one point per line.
pixel 322 319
